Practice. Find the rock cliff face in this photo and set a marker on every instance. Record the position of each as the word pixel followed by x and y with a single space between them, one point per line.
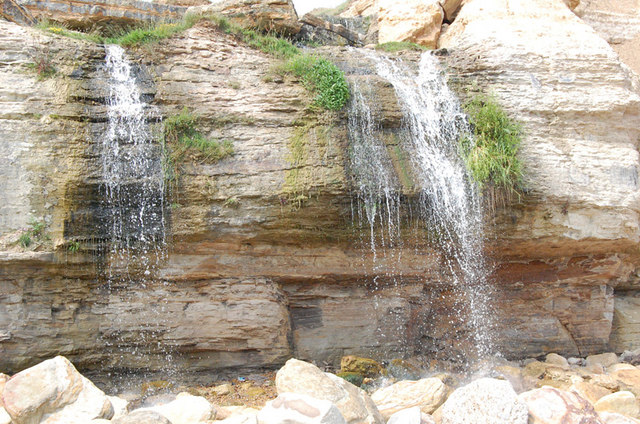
pixel 580 109
pixel 264 260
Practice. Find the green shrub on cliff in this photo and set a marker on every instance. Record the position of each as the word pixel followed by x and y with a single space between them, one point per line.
pixel 322 78
pixel 491 154
pixel 182 134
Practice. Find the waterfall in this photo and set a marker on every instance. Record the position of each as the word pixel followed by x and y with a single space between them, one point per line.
pixel 132 171
pixel 448 203
pixel 376 188
pixel 133 185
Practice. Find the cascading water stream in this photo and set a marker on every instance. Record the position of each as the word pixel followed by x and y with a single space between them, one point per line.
pixel 132 170
pixel 133 183
pixel 448 201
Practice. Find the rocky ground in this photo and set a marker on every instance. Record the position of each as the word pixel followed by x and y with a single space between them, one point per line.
pixel 598 389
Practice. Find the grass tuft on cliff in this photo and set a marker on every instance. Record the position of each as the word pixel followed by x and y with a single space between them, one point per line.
pixel 319 75
pixel 491 154
pixel 182 134
pixel 396 46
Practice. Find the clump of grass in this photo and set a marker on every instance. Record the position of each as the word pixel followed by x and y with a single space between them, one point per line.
pixel 491 154
pixel 32 234
pixel 150 34
pixel 181 132
pixel 42 63
pixel 74 246
pixel 321 77
pixel 58 29
pixel 396 46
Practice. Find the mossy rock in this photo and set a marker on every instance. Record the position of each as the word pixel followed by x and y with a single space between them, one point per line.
pixel 352 377
pixel 365 366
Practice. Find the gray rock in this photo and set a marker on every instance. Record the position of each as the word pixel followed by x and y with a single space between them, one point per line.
pixel 603 359
pixel 142 417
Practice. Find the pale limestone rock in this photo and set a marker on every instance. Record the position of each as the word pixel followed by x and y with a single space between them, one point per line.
pixel 3 380
pixel 120 406
pixel 185 409
pixel 484 401
pixel 241 419
pixel 417 21
pixel 4 417
pixel 552 406
pixel 625 334
pixel 410 416
pixel 589 391
pixel 301 409
pixel 622 402
pixel 555 359
pixel 307 379
pixel 223 389
pixel 613 418
pixel 604 359
pixel 142 417
pixel 627 375
pixel 360 8
pixel 618 22
pixel 427 393
pixel 54 392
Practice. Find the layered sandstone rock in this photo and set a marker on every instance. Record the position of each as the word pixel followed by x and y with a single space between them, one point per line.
pixel 264 260
pixel 563 82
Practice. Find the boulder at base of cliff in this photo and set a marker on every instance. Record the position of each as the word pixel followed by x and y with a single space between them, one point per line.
pixel 552 406
pixel 484 401
pixel 427 393
pixel 304 378
pixel 301 409
pixel 54 390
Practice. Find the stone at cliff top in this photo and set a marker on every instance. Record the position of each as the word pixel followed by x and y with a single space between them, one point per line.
pixel 299 409
pixel 484 401
pixel 84 14
pixel 552 406
pixel 427 393
pixel 271 15
pixel 307 379
pixel 53 391
pixel 12 11
pixel 416 21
